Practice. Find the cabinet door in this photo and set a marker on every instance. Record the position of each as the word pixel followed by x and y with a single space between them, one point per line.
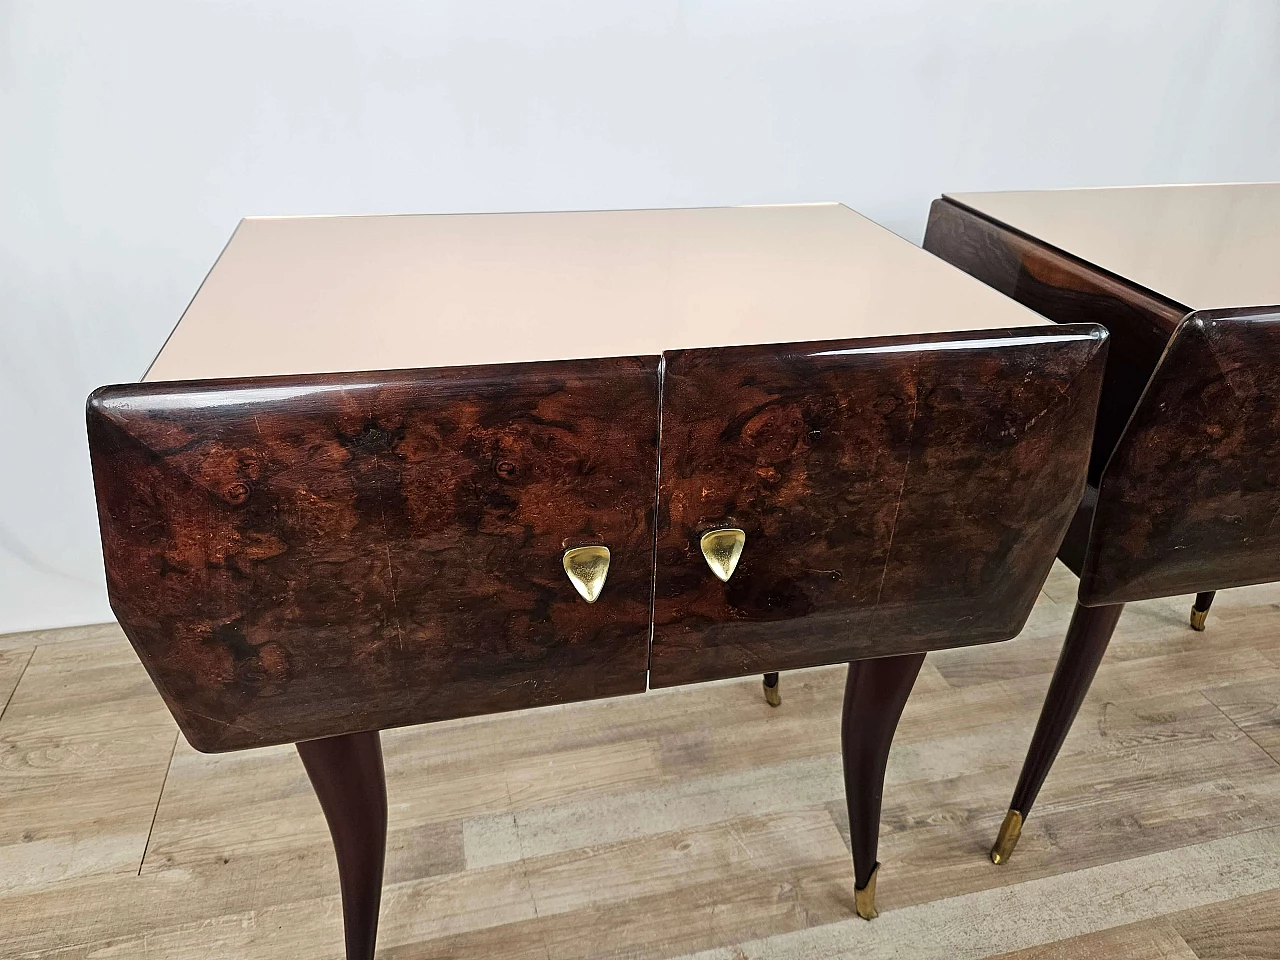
pixel 309 556
pixel 896 495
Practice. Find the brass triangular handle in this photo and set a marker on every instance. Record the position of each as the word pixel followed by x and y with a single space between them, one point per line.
pixel 722 550
pixel 587 568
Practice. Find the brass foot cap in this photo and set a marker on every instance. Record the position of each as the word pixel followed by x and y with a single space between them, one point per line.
pixel 1007 838
pixel 864 899
pixel 1198 618
pixel 773 694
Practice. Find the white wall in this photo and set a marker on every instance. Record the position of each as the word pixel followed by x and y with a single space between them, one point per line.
pixel 134 135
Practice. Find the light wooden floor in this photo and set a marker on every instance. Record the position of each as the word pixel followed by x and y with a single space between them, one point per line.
pixel 690 822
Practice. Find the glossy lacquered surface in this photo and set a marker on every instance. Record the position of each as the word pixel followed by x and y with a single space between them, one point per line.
pixel 1086 642
pixel 1065 290
pixel 1189 499
pixel 325 294
pixel 348 778
pixel 295 558
pixel 1202 245
pixel 875 694
pixel 897 495
pixel 1185 476
pixel 313 558
pixel 1184 454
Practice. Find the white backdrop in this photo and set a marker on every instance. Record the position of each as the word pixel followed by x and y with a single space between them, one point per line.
pixel 134 135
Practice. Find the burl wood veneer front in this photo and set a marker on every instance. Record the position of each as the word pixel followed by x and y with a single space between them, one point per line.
pixel 302 557
pixel 1190 499
pixel 897 495
pixel 1066 290
pixel 336 552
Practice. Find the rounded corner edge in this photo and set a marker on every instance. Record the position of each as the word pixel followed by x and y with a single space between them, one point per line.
pixel 99 400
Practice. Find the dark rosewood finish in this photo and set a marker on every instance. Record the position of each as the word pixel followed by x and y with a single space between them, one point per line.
pixel 1185 479
pixel 312 557
pixel 875 693
pixel 305 557
pixel 898 495
pixel 347 775
pixel 1065 290
pixel 1189 500
pixel 1087 638
pixel 1192 472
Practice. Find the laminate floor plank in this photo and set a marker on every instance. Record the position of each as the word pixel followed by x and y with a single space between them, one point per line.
pixel 1037 912
pixel 85 744
pixel 691 822
pixel 1153 940
pixel 31 639
pixel 1244 928
pixel 1255 708
pixel 12 664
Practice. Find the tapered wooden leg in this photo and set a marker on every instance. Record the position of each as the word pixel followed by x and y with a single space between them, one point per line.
pixel 347 775
pixel 772 692
pixel 874 694
pixel 1200 610
pixel 1086 642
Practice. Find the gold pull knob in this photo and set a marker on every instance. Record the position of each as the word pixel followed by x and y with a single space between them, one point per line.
pixel 587 568
pixel 722 550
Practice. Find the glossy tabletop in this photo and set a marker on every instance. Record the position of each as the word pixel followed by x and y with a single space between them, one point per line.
pixel 1202 246
pixel 331 294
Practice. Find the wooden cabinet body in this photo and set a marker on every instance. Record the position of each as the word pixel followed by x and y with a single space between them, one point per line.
pixel 1184 479
pixel 313 556
pixel 299 552
pixel 1184 484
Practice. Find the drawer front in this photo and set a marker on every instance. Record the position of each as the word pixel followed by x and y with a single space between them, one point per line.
pixel 302 557
pixel 895 495
pixel 1189 499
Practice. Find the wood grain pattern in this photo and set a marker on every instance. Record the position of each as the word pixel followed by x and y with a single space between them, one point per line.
pixel 12 665
pixel 1065 290
pixel 1185 476
pixel 1191 486
pixel 302 557
pixel 1151 940
pixel 1191 496
pixel 1255 709
pixel 897 495
pixel 1242 928
pixel 84 749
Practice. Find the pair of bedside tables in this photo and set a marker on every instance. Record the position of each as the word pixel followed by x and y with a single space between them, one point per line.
pixel 1184 478
pixel 608 451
